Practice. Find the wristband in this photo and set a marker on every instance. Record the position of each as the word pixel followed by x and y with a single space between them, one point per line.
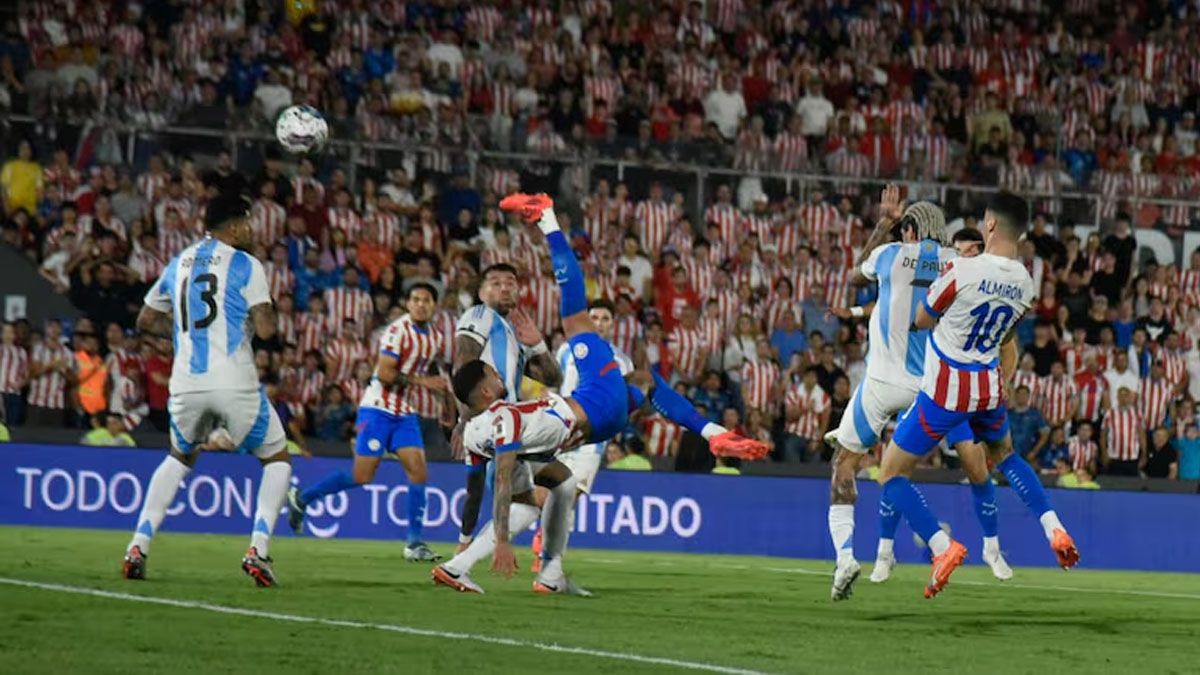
pixel 856 312
pixel 465 538
pixel 539 349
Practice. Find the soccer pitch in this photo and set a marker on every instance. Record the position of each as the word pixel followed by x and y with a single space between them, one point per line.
pixel 357 606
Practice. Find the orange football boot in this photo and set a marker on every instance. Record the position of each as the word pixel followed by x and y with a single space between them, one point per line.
pixel 943 566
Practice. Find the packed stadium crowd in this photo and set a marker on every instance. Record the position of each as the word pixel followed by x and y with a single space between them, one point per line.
pixel 747 305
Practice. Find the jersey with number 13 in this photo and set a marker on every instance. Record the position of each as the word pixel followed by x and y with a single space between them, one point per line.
pixel 209 289
pixel 978 300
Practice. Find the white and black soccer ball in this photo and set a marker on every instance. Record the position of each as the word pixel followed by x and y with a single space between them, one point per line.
pixel 301 129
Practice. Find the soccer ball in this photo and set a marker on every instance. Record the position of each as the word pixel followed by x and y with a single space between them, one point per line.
pixel 301 128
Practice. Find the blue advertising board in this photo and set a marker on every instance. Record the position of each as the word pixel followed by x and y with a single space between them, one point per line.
pixel 70 486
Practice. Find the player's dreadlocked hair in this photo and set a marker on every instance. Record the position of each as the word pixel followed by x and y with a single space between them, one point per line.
pixel 928 220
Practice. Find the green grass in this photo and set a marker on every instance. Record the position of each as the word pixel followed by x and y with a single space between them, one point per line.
pixel 766 614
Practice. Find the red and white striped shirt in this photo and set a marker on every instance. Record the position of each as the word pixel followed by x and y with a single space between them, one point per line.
pixel 791 151
pixel 627 331
pixel 415 349
pixel 1083 453
pixel 1057 401
pixel 349 303
pixel 14 368
pixel 818 219
pixel 343 354
pixel 689 350
pixel 542 296
pixel 654 221
pixel 269 221
pixel 280 279
pixel 386 227
pixel 811 403
pixel 314 330
pixel 147 265
pixel 726 217
pixel 758 384
pixel 1093 392
pixel 1028 378
pixel 300 185
pixel 661 435
pixel 48 390
pixel 1154 401
pixel 346 220
pixel 309 387
pixel 1123 429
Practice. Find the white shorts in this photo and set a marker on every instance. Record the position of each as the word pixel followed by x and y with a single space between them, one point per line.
pixel 246 414
pixel 872 406
pixel 584 464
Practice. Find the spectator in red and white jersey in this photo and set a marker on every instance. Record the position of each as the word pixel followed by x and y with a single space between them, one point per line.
pixel 1122 437
pixel 343 352
pixel 1026 377
pixel 1155 395
pixel 128 397
pixel 654 218
pixel 268 218
pixel 760 380
pixel 688 348
pixel 806 407
pixel 144 260
pixel 1093 391
pixel 14 375
pixel 1083 449
pixel 349 303
pixel 1058 396
pixel 51 370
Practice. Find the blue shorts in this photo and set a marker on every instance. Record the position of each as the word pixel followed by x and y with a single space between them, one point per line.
pixel 926 423
pixel 959 434
pixel 380 432
pixel 601 391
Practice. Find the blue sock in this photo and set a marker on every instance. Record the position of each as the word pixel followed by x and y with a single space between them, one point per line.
pixel 908 500
pixel 889 518
pixel 675 407
pixel 332 484
pixel 985 507
pixel 416 512
pixel 567 274
pixel 1024 481
pixel 636 398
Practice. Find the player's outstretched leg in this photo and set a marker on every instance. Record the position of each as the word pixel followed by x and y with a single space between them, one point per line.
pixel 983 495
pixel 272 492
pixel 413 460
pixel 298 500
pixel 721 441
pixel 843 493
pixel 556 522
pixel 159 496
pixel 885 557
pixel 539 210
pixel 948 554
pixel 1024 481
pixel 456 572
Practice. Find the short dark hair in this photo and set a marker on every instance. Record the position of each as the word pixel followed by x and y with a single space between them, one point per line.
pixel 466 379
pixel 1011 211
pixel 967 234
pixel 422 286
pixel 498 268
pixel 602 303
pixel 224 209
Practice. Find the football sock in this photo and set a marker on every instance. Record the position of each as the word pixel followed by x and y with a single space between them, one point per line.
pixel 939 542
pixel 889 521
pixel 1025 483
pixel 984 495
pixel 991 545
pixel 841 530
pixel 272 492
pixel 520 517
pixel 885 548
pixel 416 512
pixel 909 501
pixel 566 266
pixel 556 523
pixel 159 495
pixel 334 483
pixel 679 410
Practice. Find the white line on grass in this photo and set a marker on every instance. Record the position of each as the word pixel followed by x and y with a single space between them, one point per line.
pixel 994 584
pixel 393 628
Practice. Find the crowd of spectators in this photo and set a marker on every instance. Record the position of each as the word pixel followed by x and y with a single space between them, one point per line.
pixel 744 306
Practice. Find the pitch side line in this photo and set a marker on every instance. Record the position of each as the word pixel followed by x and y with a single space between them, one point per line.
pixel 392 628
pixel 992 584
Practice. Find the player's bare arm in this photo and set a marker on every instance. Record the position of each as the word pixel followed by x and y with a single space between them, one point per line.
pixel 924 319
pixel 154 323
pixel 542 366
pixel 504 561
pixel 466 350
pixel 890 212
pixel 263 317
pixel 476 483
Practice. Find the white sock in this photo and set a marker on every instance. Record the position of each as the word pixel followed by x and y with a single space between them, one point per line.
pixel 841 530
pixel 520 517
pixel 939 543
pixel 991 545
pixel 548 222
pixel 552 568
pixel 710 430
pixel 556 518
pixel 159 495
pixel 272 491
pixel 1050 523
pixel 885 548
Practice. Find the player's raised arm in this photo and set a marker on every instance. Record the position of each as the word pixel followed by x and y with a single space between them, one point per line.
pixel 506 441
pixel 890 211
pixel 542 365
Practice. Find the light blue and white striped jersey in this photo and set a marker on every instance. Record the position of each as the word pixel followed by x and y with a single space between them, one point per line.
pixel 209 289
pixel 904 272
pixel 501 349
pixel 570 373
